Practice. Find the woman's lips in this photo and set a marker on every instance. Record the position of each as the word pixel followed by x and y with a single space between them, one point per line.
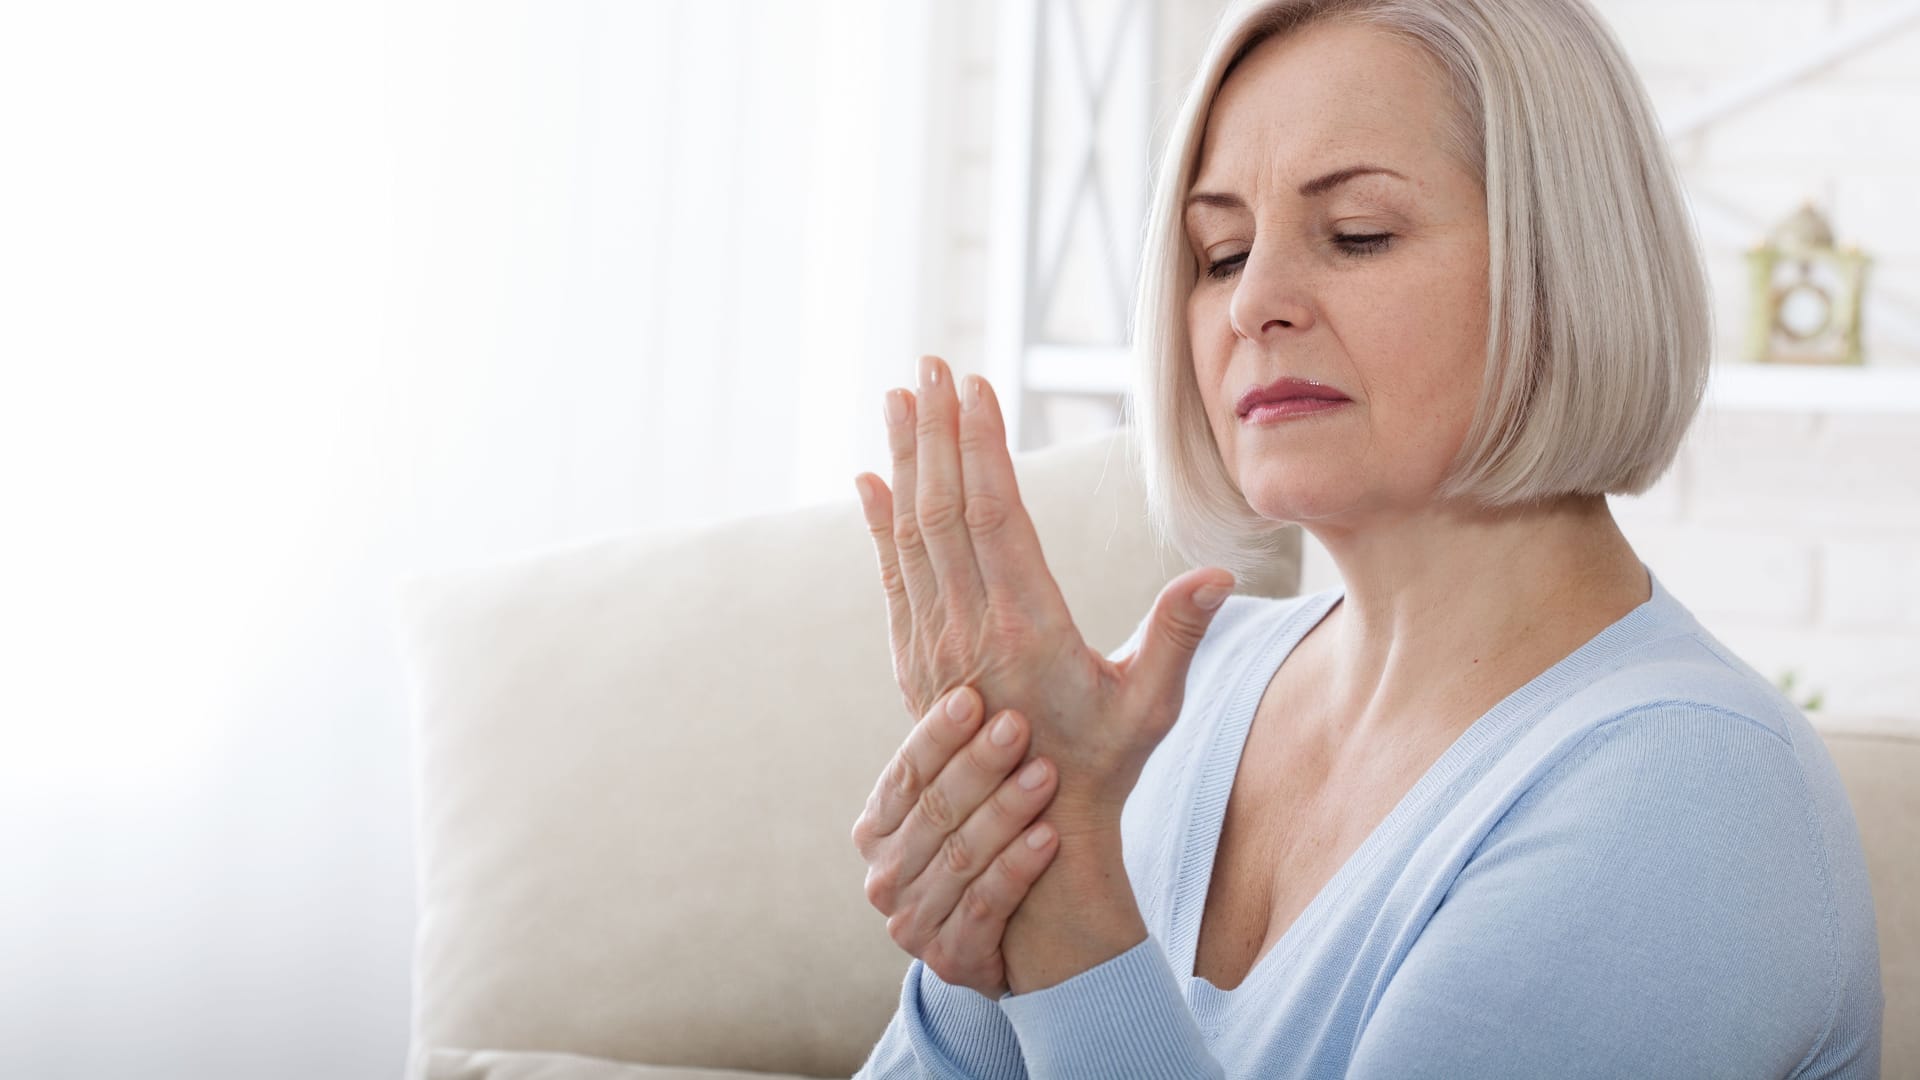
pixel 1276 411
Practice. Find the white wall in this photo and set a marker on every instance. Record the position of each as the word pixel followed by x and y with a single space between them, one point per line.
pixel 202 795
pixel 296 300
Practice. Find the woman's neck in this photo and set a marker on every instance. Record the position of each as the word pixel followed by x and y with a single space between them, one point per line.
pixel 1445 613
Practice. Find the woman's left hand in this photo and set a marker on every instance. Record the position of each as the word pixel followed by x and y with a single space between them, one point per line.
pixel 971 602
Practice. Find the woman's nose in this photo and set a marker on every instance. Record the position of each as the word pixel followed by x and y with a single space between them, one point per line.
pixel 1268 296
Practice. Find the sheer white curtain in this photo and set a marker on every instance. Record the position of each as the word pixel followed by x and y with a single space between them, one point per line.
pixel 300 299
pixel 667 232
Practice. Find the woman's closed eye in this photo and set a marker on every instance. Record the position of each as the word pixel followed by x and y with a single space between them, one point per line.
pixel 1354 244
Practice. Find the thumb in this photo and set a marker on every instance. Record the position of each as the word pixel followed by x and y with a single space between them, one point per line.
pixel 1181 615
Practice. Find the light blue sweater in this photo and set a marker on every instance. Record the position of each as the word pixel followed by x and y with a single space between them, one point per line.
pixel 1641 863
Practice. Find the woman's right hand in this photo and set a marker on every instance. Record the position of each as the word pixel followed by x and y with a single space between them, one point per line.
pixel 946 839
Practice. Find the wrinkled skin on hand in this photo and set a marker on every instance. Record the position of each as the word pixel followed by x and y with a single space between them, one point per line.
pixel 970 601
pixel 946 837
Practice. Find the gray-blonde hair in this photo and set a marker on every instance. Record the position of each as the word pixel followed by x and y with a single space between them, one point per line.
pixel 1600 329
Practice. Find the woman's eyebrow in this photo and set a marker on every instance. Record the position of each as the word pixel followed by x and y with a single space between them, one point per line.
pixel 1319 185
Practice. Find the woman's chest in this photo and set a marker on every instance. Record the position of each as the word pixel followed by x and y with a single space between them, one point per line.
pixel 1297 813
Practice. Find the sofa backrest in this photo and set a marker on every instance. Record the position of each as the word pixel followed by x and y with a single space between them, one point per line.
pixel 1880 762
pixel 638 761
pixel 638 764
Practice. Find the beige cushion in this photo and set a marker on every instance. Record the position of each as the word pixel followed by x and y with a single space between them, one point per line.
pixel 523 1065
pixel 1880 762
pixel 639 760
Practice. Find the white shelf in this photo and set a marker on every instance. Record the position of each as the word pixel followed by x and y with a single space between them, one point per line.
pixel 1805 388
pixel 1740 387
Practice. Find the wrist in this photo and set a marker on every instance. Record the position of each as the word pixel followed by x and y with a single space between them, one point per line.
pixel 1084 816
pixel 1078 915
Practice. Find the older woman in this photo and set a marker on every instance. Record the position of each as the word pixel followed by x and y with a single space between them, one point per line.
pixel 1419 279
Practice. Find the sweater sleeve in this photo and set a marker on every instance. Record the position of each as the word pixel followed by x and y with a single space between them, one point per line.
pixel 948 1031
pixel 1656 904
pixel 1123 1017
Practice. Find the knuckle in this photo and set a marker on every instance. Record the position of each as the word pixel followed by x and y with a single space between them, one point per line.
pixel 882 891
pixel 906 534
pixel 904 775
pixel 956 853
pixel 904 438
pixel 1188 631
pixel 977 904
pixel 986 514
pixel 1178 621
pixel 936 809
pixel 927 421
pixel 939 511
pixel 900 929
pixel 978 439
pixel 891 579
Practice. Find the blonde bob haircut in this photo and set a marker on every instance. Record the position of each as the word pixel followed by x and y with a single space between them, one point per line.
pixel 1600 332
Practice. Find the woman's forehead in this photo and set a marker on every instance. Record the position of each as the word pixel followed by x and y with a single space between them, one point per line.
pixel 1320 99
pixel 1345 164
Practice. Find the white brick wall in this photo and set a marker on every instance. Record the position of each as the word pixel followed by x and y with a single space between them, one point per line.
pixel 1807 473
pixel 1794 537
pixel 1871 585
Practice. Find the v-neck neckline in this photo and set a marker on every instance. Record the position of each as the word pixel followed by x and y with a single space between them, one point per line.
pixel 1221 765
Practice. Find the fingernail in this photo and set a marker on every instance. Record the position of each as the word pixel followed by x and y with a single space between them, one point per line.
pixel 860 488
pixel 1209 597
pixel 1003 731
pixel 929 372
pixel 896 407
pixel 969 392
pixel 1038 838
pixel 1033 775
pixel 960 705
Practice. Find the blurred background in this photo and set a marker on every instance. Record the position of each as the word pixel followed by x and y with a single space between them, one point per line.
pixel 299 300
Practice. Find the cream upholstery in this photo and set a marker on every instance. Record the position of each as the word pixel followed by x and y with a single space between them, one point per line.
pixel 639 759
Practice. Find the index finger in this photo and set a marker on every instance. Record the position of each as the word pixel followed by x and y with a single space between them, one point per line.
pixel 1006 546
pixel 938 736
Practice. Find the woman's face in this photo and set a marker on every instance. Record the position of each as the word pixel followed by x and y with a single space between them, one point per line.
pixel 1396 321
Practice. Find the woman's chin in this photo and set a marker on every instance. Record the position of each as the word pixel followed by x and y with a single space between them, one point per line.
pixel 1276 500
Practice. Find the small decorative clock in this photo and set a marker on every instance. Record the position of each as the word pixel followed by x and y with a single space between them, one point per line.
pixel 1805 295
